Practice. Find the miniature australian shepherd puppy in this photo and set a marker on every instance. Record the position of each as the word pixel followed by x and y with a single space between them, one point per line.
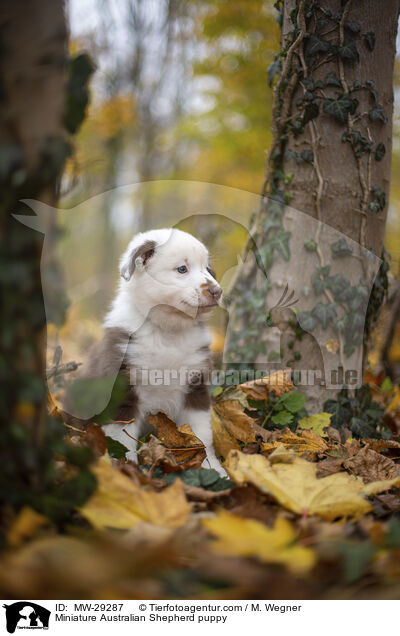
pixel 155 334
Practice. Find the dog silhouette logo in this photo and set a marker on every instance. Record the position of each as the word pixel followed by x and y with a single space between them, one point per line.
pixel 26 615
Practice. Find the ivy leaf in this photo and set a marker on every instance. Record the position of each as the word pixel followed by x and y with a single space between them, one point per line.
pixel 349 51
pixel 307 320
pixel 274 69
pixel 340 107
pixel 370 84
pixel 310 112
pixel 331 79
pixel 377 114
pixel 115 448
pixel 324 313
pixel 369 39
pixel 310 245
pixel 338 285
pixel 316 44
pixel 308 83
pixel 307 155
pixel 318 283
pixel 281 244
pixel 353 26
pixel 380 151
pixel 341 248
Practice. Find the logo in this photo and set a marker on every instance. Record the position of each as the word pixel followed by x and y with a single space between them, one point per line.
pixel 26 615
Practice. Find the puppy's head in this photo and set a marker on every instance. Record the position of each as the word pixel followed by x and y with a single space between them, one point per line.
pixel 170 269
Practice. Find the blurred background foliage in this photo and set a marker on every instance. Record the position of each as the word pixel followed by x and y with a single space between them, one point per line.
pixel 180 92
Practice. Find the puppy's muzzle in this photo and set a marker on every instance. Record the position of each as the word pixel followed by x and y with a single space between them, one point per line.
pixel 211 293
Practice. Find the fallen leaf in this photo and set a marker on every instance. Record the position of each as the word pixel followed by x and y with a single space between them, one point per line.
pixel 301 443
pixel 120 503
pixel 250 538
pixel 154 453
pixel 276 383
pixel 235 420
pixel 295 486
pixel 24 526
pixel 223 440
pixel 317 423
pixel 329 466
pixel 371 466
pixel 187 449
pixel 332 346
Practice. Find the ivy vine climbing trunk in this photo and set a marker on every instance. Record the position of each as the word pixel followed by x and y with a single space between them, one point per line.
pixel 324 202
pixel 33 148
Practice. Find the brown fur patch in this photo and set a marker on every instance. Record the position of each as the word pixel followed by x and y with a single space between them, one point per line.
pixel 105 358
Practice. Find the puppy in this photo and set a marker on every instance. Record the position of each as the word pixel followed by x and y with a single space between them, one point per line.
pixel 155 335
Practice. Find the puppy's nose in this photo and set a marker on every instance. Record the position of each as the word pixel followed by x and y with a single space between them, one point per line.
pixel 215 291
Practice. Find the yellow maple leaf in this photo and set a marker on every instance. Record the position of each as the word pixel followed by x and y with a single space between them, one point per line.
pixel 295 486
pixel 316 423
pixel 250 538
pixel 25 525
pixel 301 443
pixel 119 503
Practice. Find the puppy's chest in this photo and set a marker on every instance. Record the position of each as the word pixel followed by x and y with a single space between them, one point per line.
pixel 151 349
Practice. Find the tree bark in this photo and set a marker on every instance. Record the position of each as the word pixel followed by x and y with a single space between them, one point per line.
pixel 330 160
pixel 33 59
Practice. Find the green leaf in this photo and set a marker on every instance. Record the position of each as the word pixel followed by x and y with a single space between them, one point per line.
pixel 206 478
pixel 341 248
pixel 324 312
pixel 331 79
pixel 377 114
pixel 353 26
pixel 387 385
pixel 280 242
pixel 282 419
pixel 115 448
pixel 349 51
pixel 340 107
pixel 316 423
pixel 307 320
pixel 380 151
pixel 307 155
pixel 293 401
pixel 316 44
pixel 310 112
pixel 310 245
pixel 274 69
pixel 369 39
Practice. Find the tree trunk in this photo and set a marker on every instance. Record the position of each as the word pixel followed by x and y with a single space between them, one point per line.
pixel 330 160
pixel 32 152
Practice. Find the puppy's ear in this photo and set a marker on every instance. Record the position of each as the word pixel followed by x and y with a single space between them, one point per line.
pixel 137 259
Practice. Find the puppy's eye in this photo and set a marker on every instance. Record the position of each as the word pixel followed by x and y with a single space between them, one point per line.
pixel 182 269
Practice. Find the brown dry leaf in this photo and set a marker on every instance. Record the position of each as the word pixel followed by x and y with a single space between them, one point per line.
pixel 24 526
pixel 223 440
pixel 296 486
pixel 371 466
pixel 329 466
pixel 250 538
pixel 380 444
pixel 95 438
pixel 120 503
pixel 301 443
pixel 235 420
pixel 276 383
pixel 188 450
pixel 154 453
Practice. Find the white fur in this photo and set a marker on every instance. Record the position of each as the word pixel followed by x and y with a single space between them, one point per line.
pixel 166 312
